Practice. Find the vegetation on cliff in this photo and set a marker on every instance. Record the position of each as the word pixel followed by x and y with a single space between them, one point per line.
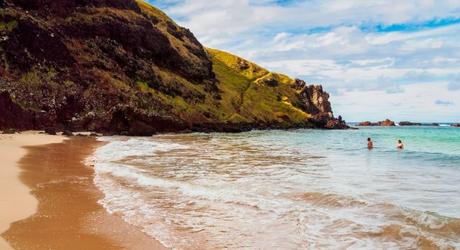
pixel 125 67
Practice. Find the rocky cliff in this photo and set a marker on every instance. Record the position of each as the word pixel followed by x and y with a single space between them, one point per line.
pixel 122 66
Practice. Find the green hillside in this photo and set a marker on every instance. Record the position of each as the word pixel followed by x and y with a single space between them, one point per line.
pixel 125 67
pixel 250 93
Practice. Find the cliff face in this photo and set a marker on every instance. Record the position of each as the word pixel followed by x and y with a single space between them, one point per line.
pixel 123 66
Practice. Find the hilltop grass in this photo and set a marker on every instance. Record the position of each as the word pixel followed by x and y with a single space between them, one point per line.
pixel 152 11
pixel 243 67
pixel 247 98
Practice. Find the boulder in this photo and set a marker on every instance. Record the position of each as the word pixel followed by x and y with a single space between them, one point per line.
pixel 271 82
pixel 243 65
pixel 9 131
pixel 67 133
pixel 51 131
pixel 139 128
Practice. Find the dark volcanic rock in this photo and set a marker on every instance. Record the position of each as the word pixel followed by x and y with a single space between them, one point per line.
pixel 65 7
pixel 141 128
pixel 456 125
pixel 9 131
pixel 13 116
pixel 51 131
pixel 271 82
pixel 77 64
pixel 406 123
pixel 67 133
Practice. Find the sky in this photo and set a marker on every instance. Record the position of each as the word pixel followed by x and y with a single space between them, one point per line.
pixel 397 59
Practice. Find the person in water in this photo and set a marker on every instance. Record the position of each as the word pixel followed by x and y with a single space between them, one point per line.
pixel 400 145
pixel 370 143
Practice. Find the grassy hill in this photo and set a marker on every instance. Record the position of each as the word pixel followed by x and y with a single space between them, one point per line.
pixel 250 93
pixel 125 67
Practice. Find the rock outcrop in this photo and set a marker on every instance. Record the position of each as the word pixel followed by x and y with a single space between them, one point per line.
pixel 124 67
pixel 385 123
pixel 457 125
pixel 406 123
pixel 315 101
pixel 366 124
pixel 14 116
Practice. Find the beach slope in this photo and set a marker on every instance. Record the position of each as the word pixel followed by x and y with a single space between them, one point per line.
pixel 15 199
pixel 51 201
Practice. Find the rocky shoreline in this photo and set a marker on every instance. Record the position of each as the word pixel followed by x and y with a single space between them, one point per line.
pixel 14 118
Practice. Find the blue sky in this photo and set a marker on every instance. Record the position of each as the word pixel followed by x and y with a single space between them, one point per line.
pixel 378 59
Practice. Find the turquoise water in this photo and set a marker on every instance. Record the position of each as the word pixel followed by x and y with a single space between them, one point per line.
pixel 427 171
pixel 307 189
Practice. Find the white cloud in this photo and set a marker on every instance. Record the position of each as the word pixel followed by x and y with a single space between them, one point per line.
pixel 377 105
pixel 327 41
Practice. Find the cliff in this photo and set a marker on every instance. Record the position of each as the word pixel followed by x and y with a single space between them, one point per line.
pixel 124 67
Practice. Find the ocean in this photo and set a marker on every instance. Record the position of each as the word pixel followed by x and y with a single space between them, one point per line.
pixel 299 189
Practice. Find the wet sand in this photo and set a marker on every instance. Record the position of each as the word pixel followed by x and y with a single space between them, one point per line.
pixel 16 202
pixel 68 215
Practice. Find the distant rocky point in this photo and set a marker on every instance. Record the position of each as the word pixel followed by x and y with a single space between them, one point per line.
pixel 390 123
pixel 385 123
pixel 457 125
pixel 406 123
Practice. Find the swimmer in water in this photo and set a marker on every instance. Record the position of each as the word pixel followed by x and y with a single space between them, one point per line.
pixel 400 145
pixel 370 144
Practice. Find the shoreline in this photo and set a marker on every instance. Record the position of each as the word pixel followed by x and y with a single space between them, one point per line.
pixel 16 200
pixel 62 211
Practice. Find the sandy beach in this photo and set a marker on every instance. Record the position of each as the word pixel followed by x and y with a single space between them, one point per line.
pixel 15 198
pixel 49 201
